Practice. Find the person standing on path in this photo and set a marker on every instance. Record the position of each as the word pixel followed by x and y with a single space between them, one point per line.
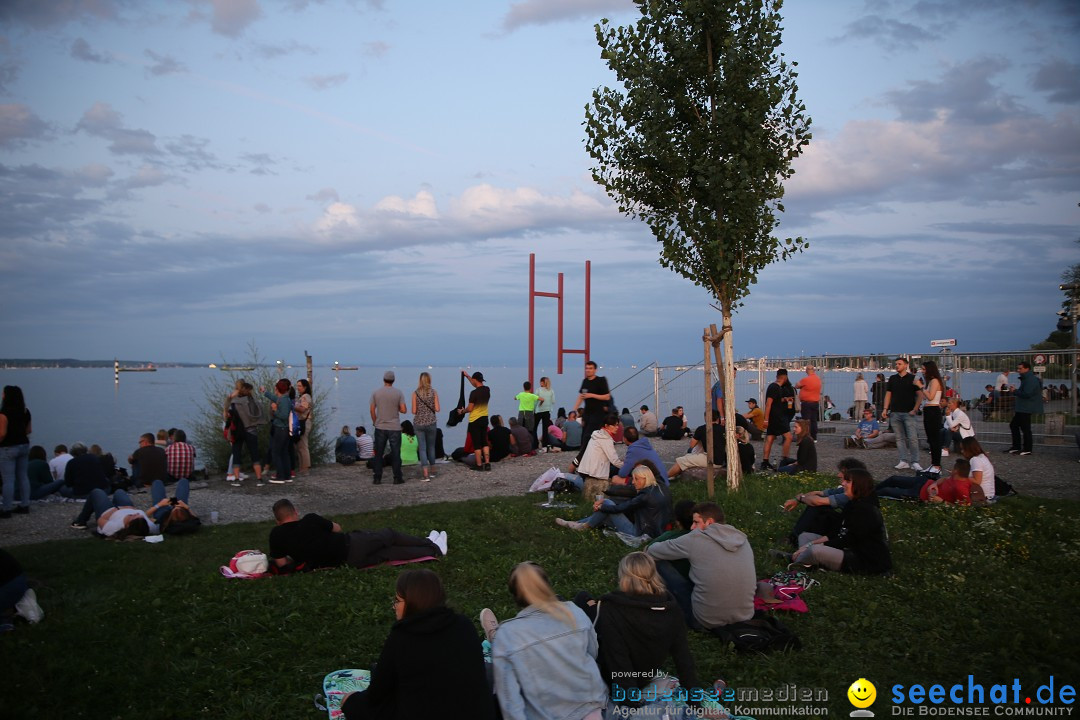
pixel 1028 400
pixel 544 407
pixel 15 429
pixel 900 396
pixel 862 394
pixel 810 399
pixel 477 410
pixel 386 405
pixel 933 390
pixel 425 403
pixel 596 397
pixel 304 405
pixel 280 407
pixel 527 401
pixel 779 409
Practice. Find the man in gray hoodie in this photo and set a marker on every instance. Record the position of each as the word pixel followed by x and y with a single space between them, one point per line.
pixel 720 590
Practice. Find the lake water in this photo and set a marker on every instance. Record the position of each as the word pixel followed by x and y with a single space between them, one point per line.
pixel 84 405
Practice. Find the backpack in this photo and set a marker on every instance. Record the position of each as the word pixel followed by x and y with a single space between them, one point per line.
pixel 296 426
pixel 760 634
pixel 1003 488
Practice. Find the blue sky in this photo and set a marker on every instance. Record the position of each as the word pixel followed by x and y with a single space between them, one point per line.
pixel 366 179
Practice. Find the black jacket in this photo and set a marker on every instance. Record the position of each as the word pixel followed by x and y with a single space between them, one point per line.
pixel 432 665
pixel 650 509
pixel 863 539
pixel 637 634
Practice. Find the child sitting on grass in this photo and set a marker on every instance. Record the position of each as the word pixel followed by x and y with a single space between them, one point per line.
pixel 954 489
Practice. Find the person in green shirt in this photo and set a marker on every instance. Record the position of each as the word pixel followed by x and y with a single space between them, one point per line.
pixel 527 407
pixel 410 446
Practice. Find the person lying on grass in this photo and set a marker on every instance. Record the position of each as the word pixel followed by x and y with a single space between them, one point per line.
pixel 117 517
pixel 312 542
pixel 432 663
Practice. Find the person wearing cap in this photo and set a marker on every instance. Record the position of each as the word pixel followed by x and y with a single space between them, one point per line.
pixel 756 420
pixel 477 409
pixel 386 406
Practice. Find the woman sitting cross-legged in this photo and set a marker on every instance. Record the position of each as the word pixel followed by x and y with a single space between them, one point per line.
pixel 432 664
pixel 650 507
pixel 860 545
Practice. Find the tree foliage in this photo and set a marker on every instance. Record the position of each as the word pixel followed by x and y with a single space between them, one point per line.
pixel 698 142
pixel 700 138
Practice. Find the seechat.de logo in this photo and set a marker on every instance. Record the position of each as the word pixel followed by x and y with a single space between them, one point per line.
pixel 862 694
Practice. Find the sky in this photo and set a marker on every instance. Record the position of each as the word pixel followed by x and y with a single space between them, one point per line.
pixel 366 179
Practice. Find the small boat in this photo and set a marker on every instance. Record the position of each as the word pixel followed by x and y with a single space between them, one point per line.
pixel 237 368
pixel 148 368
pixel 344 367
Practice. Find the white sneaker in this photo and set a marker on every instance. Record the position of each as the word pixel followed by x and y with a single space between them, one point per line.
pixel 28 607
pixel 573 525
pixel 901 465
pixel 489 623
pixel 230 478
pixel 916 467
pixel 440 542
pixel 432 535
pixel 944 452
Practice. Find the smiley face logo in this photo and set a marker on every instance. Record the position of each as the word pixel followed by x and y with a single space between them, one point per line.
pixel 862 693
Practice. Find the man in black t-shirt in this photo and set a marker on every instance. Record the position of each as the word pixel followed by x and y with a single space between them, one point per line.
pixel 596 398
pixel 148 463
pixel 312 542
pixel 696 458
pixel 499 439
pixel 674 425
pixel 779 410
pixel 901 403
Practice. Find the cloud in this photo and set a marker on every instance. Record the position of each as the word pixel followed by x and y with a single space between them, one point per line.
pixel 325 82
pixel 480 212
pixel 270 52
pixel 891 34
pixel 147 176
pixel 544 12
pixel 193 153
pixel 104 122
pixel 230 17
pixel 261 208
pixel 965 92
pixel 94 175
pixel 43 203
pixel 324 195
pixel 18 123
pixel 9 73
pixel 260 163
pixel 45 13
pixel 1060 79
pixel 164 65
pixel 81 50
pixel 375 49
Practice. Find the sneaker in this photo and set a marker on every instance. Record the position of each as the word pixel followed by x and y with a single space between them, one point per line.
pixel 259 483
pixel 901 465
pixel 487 467
pixel 237 483
pixel 230 478
pixel 766 465
pixel 425 479
pixel 571 524
pixel 489 623
pixel 275 481
pixel 28 607
pixel 944 452
pixel 440 541
pixel 78 525
pixel 1011 451
pixel 290 478
pixel 1022 453
pixel 916 467
pixel 629 540
pixel 798 566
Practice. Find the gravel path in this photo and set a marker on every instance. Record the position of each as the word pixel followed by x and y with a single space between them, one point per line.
pixel 331 490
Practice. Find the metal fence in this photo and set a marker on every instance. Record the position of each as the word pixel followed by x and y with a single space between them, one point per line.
pixel 665 387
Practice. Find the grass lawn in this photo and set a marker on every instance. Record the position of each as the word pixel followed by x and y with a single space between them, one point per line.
pixel 135 630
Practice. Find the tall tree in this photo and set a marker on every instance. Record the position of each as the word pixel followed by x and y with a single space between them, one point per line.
pixel 698 141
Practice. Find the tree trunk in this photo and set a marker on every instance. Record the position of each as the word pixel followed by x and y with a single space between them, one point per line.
pixel 710 471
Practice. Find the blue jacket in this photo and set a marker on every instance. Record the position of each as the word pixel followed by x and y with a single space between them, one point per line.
pixel 546 669
pixel 642 450
pixel 1029 394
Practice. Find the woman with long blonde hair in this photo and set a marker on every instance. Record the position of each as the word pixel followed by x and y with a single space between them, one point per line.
pixel 425 404
pixel 544 657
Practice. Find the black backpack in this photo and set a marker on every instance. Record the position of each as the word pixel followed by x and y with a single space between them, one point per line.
pixel 760 634
pixel 1003 488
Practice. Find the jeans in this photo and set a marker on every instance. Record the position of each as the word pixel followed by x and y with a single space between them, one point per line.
pixel 902 487
pixel 157 494
pixel 681 589
pixel 788 467
pixel 394 438
pixel 906 427
pixel 618 521
pixel 950 438
pixel 1019 425
pixel 97 503
pixel 810 410
pixel 14 461
pixel 12 592
pixel 426 436
pixel 279 452
pixel 543 422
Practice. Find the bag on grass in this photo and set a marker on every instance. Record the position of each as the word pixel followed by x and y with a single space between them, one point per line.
pixel 337 685
pixel 758 634
pixel 544 482
pixel 1003 488
pixel 248 563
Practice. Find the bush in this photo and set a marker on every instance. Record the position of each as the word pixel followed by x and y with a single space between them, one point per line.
pixel 209 426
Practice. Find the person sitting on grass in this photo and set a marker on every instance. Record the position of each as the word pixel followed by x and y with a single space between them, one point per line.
pixel 499 441
pixel 722 582
pixel 954 489
pixel 117 517
pixel 410 447
pixel 866 430
pixel 696 457
pixel 638 627
pixel 649 507
pixel 860 545
pixel 600 461
pixel 805 452
pixel 312 542
pixel 572 431
pixel 821 515
pixel 432 663
pixel 982 470
pixel 544 658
